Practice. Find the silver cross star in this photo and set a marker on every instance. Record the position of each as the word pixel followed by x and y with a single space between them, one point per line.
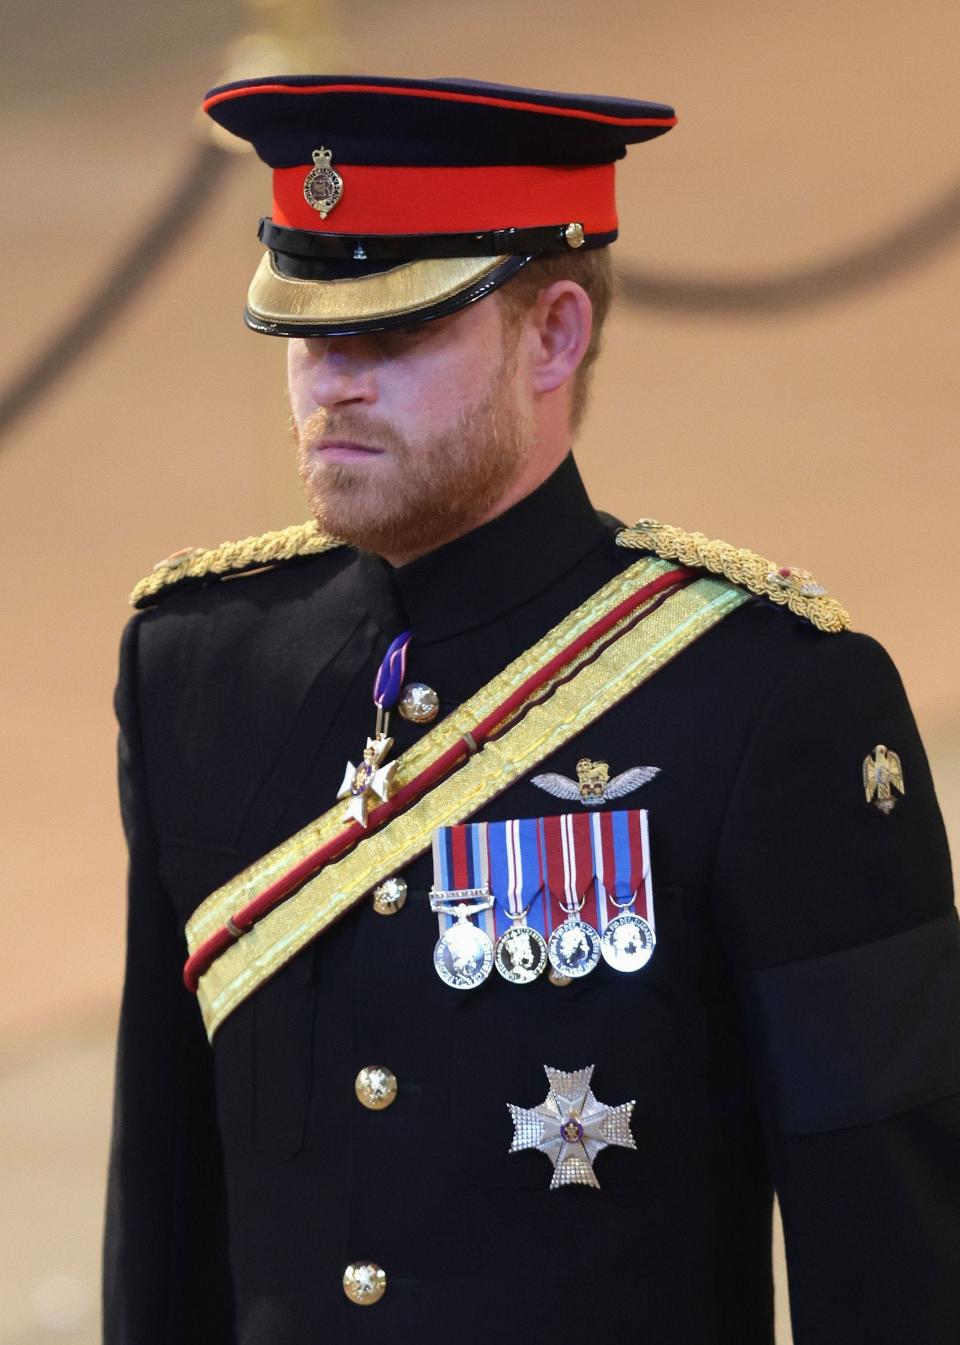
pixel 363 785
pixel 571 1127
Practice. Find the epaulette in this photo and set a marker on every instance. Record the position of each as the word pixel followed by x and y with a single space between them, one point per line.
pixel 232 558
pixel 785 585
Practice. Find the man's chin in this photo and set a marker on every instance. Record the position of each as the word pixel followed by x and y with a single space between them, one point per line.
pixel 363 518
pixel 381 527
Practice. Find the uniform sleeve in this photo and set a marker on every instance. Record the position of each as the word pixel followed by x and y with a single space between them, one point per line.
pixel 838 917
pixel 166 1275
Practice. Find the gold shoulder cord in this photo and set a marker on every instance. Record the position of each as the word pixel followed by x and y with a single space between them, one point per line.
pixel 786 585
pixel 303 539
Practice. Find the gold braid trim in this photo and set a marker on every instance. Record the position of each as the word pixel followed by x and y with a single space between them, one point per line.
pixel 788 586
pixel 269 548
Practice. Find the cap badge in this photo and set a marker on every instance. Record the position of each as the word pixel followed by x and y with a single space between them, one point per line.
pixel 593 785
pixel 571 1127
pixel 880 771
pixel 323 186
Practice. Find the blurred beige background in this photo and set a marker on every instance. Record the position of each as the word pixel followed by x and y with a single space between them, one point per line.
pixel 823 436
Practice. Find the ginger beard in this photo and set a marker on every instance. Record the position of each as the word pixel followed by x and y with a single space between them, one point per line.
pixel 419 493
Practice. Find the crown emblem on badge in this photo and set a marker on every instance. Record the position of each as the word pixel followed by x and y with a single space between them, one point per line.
pixel 323 185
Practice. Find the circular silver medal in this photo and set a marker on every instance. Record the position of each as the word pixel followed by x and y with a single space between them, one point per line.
pixel 521 954
pixel 574 948
pixel 628 942
pixel 463 957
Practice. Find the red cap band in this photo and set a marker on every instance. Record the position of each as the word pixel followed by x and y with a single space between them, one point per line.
pixel 451 200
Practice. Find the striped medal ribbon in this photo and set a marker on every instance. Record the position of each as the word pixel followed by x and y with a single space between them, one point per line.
pixel 574 944
pixel 461 898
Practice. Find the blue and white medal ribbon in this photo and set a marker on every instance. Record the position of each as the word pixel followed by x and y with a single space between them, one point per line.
pixel 621 845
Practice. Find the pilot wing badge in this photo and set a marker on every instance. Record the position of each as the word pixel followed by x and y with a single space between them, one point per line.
pixel 593 786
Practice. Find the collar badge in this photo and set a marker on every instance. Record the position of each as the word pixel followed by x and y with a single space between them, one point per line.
pixel 323 185
pixel 881 771
pixel 571 1127
pixel 593 785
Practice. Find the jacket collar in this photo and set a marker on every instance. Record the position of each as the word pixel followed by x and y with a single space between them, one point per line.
pixel 503 564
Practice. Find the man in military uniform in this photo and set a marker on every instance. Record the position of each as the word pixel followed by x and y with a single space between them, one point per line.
pixel 551 892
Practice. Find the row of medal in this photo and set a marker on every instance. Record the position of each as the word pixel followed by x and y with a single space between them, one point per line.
pixel 564 891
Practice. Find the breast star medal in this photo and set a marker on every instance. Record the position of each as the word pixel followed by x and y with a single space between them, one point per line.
pixel 593 785
pixel 881 771
pixel 323 185
pixel 372 781
pixel 571 1127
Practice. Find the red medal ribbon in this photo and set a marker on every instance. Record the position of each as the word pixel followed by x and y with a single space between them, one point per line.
pixel 620 858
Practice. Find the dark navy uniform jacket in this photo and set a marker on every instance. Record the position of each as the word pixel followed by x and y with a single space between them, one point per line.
pixel 797 1029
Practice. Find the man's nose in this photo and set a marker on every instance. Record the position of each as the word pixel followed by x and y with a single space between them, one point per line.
pixel 341 372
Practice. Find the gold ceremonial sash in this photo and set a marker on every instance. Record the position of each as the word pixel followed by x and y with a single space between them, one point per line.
pixel 576 701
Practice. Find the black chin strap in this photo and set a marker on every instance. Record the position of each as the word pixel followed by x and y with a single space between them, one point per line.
pixel 307 246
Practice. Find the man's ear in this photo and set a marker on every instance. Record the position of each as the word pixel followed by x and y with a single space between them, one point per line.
pixel 560 325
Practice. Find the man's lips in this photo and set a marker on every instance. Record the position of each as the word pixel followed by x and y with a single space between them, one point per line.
pixel 344 450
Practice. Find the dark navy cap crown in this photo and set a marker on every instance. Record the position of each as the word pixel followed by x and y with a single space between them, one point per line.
pixel 430 122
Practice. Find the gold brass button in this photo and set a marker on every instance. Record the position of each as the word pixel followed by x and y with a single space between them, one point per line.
pixel 418 703
pixel 376 1087
pixel 389 896
pixel 557 978
pixel 364 1283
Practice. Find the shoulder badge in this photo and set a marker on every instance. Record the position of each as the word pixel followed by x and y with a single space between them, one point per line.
pixel 252 553
pixel 784 585
pixel 882 772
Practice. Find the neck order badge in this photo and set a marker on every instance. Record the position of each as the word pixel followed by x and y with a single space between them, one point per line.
pixel 372 781
pixel 571 889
